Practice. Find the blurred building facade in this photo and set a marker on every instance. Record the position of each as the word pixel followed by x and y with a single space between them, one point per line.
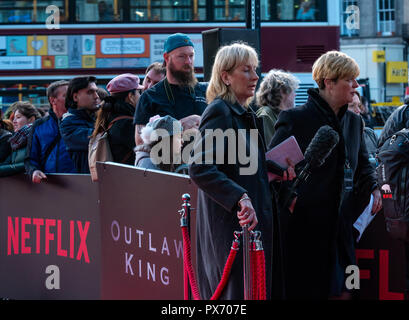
pixel 376 34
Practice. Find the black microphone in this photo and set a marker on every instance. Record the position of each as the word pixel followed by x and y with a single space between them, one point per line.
pixel 315 155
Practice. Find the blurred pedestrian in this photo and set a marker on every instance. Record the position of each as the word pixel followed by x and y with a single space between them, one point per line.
pixel 46 151
pixel 24 116
pixel 276 92
pixel 125 91
pixel 77 124
pixel 153 74
pixel 179 94
pixel 167 132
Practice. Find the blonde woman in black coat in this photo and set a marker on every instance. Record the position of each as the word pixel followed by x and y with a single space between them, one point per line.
pixel 232 192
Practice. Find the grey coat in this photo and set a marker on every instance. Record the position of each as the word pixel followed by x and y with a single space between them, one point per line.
pixel 220 188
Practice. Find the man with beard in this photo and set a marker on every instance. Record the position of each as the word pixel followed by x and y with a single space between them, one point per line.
pixel 179 94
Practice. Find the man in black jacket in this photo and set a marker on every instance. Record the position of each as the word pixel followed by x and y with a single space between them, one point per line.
pixel 179 95
pixel 77 124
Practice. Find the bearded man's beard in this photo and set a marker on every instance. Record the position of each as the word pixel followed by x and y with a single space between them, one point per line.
pixel 184 77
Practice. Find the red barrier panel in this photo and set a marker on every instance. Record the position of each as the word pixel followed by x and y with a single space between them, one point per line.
pixel 141 240
pixel 382 263
pixel 120 238
pixel 49 238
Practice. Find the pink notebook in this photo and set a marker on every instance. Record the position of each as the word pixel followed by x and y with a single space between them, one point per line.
pixel 289 148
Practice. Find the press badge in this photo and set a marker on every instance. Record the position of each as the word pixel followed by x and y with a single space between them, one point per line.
pixel 348 177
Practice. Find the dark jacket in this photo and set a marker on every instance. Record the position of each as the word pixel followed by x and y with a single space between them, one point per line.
pixel 220 188
pixel 14 163
pixel 76 127
pixel 317 236
pixel 121 136
pixel 46 138
pixel 5 148
pixel 371 142
pixel 269 116
pixel 398 120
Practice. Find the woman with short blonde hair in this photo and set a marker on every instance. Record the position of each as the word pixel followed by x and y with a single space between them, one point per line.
pixel 319 228
pixel 334 65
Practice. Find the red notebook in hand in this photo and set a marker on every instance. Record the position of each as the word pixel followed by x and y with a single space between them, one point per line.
pixel 289 148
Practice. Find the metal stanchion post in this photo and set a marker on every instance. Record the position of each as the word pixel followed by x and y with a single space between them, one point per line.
pixel 247 274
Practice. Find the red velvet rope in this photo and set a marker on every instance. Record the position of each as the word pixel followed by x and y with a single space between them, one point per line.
pixel 261 275
pixel 187 262
pixel 257 262
pixel 226 271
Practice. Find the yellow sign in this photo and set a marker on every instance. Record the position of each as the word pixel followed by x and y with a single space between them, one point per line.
pixel 397 72
pixel 37 45
pixel 378 56
pixel 88 61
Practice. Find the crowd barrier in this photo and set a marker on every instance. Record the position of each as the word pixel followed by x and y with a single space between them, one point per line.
pixel 120 238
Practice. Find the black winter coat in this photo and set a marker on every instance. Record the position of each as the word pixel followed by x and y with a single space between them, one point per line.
pixel 121 136
pixel 76 128
pixel 221 186
pixel 398 120
pixel 317 236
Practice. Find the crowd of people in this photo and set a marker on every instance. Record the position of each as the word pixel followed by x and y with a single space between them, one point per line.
pixel 314 231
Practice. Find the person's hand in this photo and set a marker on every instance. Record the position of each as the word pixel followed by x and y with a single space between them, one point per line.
pixel 38 175
pixel 289 174
pixel 377 201
pixel 190 122
pixel 247 214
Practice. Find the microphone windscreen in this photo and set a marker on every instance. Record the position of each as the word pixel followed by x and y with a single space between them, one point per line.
pixel 321 146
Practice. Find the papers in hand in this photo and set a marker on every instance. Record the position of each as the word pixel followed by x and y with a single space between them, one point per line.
pixel 290 149
pixel 364 219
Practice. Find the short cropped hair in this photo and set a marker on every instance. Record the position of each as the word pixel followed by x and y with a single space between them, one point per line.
pixel 274 85
pixel 52 88
pixel 157 67
pixel 227 59
pixel 334 65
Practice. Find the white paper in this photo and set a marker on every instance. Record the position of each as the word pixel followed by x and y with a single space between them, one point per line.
pixel 364 219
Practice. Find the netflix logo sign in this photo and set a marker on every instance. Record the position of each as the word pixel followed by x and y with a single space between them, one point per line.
pixel 28 235
pixel 50 242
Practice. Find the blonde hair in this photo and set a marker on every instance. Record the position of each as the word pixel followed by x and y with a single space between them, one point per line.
pixel 227 59
pixel 334 65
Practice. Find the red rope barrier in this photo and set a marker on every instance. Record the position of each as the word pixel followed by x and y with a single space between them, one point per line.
pixel 257 263
pixel 262 275
pixel 187 261
pixel 226 271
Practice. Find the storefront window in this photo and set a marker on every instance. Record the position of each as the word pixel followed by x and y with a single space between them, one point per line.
pixel 299 10
pixel 168 10
pixel 98 10
pixel 31 11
